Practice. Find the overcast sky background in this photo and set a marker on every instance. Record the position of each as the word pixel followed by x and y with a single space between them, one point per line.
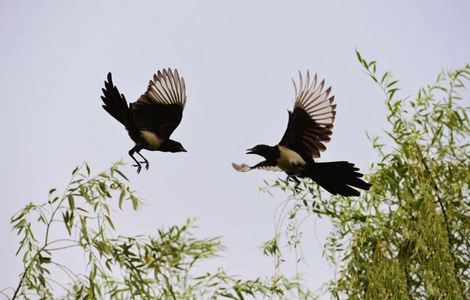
pixel 238 58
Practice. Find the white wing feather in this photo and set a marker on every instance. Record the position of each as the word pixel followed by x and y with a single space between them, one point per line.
pixel 167 87
pixel 315 100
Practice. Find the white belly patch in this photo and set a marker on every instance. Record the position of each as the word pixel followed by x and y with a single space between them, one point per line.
pixel 289 160
pixel 152 140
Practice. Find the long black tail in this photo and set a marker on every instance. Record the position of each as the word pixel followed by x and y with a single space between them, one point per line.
pixel 338 177
pixel 115 103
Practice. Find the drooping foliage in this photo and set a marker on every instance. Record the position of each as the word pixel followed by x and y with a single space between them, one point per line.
pixel 409 236
pixel 79 224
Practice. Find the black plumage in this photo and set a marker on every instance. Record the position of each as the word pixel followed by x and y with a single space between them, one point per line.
pixel 309 127
pixel 150 120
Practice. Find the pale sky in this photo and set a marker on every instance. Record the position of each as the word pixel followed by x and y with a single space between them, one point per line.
pixel 237 58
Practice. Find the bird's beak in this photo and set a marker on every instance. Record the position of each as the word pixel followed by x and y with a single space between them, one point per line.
pixel 250 151
pixel 183 150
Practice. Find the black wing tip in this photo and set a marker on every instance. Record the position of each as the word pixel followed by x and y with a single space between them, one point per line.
pixel 108 83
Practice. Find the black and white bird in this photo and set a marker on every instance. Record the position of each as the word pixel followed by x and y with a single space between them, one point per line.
pixel 150 120
pixel 309 127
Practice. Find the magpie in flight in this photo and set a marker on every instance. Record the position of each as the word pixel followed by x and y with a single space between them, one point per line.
pixel 309 127
pixel 153 117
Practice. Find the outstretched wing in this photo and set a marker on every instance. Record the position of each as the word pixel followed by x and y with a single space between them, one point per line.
pixel 263 165
pixel 311 121
pixel 160 109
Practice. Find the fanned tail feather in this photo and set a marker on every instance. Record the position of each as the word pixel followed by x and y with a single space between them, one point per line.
pixel 338 178
pixel 115 103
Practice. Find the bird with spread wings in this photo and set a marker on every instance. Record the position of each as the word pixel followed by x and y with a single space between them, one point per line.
pixel 309 128
pixel 150 120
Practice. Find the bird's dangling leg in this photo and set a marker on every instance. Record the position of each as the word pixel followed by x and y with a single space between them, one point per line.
pixel 131 154
pixel 296 180
pixel 146 162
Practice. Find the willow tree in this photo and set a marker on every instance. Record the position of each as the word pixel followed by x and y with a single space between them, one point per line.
pixel 409 236
pixel 78 224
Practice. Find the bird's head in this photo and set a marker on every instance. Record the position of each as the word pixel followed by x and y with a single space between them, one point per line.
pixel 262 150
pixel 179 147
pixel 172 146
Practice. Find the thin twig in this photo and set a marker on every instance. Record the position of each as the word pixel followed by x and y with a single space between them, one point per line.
pixel 46 239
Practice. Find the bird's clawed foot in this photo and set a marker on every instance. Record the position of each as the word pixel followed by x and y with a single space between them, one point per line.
pixel 145 161
pixel 146 164
pixel 138 164
pixel 139 167
pixel 294 179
